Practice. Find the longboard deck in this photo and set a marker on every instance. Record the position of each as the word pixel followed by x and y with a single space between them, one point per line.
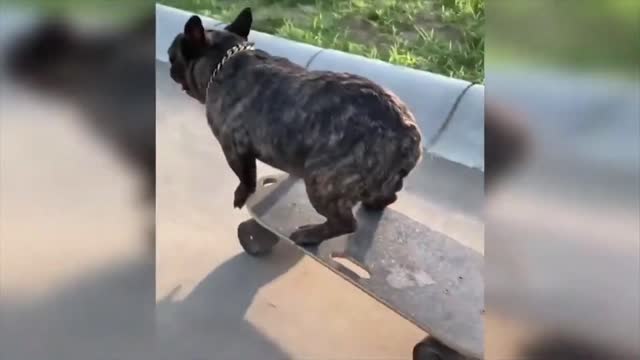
pixel 425 276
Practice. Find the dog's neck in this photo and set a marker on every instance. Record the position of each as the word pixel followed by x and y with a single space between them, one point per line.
pixel 230 53
pixel 203 88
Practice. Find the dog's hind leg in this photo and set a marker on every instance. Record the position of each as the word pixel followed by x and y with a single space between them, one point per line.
pixel 385 196
pixel 333 205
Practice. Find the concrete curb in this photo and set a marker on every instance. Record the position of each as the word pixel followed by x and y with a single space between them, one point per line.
pixel 450 111
pixel 463 135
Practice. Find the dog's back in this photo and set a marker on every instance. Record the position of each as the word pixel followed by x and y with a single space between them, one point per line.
pixel 347 138
pixel 346 128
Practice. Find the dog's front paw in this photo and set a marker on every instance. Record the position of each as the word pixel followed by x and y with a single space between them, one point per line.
pixel 240 196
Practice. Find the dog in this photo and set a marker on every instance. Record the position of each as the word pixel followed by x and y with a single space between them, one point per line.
pixel 349 139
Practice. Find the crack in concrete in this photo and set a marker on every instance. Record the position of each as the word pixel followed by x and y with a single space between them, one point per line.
pixel 447 120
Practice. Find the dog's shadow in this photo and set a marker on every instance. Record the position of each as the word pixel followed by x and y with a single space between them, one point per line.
pixel 210 322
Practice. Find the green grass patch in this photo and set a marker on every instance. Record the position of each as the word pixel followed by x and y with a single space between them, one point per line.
pixel 112 11
pixel 441 36
pixel 571 34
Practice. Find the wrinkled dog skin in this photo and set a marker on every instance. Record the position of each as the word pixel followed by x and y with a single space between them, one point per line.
pixel 349 140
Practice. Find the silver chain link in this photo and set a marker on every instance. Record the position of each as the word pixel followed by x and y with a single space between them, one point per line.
pixel 234 50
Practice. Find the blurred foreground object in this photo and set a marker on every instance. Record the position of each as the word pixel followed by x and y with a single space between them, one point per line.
pixel 507 143
pixel 76 281
pixel 563 232
pixel 108 74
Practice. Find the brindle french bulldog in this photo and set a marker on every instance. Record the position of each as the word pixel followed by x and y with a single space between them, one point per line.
pixel 349 139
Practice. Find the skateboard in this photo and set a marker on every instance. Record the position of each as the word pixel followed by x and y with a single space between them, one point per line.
pixel 423 275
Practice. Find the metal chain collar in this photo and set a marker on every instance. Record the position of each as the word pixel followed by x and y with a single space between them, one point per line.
pixel 234 50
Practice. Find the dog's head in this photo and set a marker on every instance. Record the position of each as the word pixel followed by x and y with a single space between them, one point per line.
pixel 195 42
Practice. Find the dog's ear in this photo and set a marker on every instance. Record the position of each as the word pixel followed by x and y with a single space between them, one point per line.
pixel 242 24
pixel 194 31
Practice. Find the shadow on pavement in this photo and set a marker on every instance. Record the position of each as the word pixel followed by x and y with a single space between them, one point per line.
pixel 210 322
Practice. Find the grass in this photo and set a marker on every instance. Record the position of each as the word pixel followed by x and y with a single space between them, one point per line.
pixel 111 11
pixel 572 34
pixel 441 36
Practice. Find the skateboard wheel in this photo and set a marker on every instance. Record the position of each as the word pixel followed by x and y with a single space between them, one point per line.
pixel 255 239
pixel 430 349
